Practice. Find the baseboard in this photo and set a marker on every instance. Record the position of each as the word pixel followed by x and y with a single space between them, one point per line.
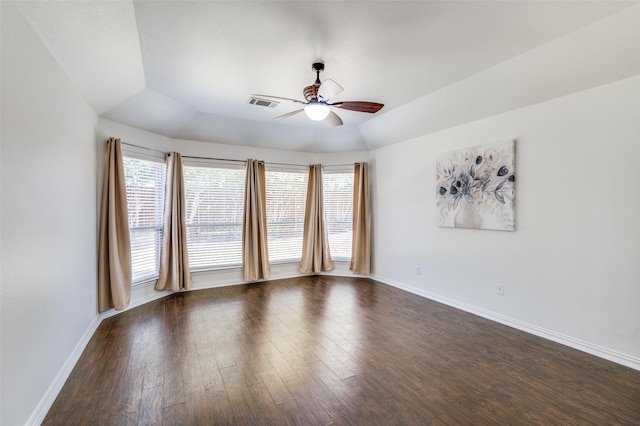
pixel 274 277
pixel 54 389
pixel 157 294
pixel 581 345
pixel 154 295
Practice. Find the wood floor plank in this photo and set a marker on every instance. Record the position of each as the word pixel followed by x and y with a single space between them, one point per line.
pixel 173 383
pixel 322 350
pixel 174 415
pixel 292 414
pixel 151 406
pixel 153 375
pixel 266 408
pixel 211 378
pixel 309 400
pixel 131 394
pixel 276 387
pixel 220 408
pixel 242 404
pixel 198 409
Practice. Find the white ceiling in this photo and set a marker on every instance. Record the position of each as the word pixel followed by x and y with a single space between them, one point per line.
pixel 186 69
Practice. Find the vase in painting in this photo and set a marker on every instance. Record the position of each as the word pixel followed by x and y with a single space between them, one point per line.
pixel 467 216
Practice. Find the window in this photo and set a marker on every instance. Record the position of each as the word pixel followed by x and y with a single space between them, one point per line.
pixel 338 208
pixel 286 197
pixel 214 194
pixel 144 181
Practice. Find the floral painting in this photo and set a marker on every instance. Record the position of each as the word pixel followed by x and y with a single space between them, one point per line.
pixel 475 187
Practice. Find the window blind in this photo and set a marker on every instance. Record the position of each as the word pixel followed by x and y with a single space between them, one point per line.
pixel 214 198
pixel 286 193
pixel 144 182
pixel 338 207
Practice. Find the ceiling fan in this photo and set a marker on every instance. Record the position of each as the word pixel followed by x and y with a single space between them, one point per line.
pixel 317 96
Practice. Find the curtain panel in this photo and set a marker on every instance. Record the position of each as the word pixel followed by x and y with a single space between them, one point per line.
pixel 255 252
pixel 316 256
pixel 114 248
pixel 174 271
pixel 361 239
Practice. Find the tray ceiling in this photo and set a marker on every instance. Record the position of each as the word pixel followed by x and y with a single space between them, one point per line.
pixel 187 69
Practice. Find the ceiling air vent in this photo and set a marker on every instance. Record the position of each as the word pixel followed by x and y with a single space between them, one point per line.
pixel 262 102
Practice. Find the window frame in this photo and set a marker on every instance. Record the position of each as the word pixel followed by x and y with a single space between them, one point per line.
pixel 139 153
pixel 329 170
pixel 215 164
pixel 286 168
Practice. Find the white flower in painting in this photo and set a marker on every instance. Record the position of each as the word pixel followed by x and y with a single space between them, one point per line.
pixel 474 175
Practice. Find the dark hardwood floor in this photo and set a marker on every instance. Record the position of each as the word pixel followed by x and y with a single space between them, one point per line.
pixel 326 350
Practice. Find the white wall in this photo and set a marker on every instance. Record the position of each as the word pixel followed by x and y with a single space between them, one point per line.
pixel 48 219
pixel 571 269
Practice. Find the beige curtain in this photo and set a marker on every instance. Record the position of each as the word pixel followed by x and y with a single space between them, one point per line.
pixel 114 251
pixel 255 253
pixel 174 259
pixel 361 238
pixel 316 256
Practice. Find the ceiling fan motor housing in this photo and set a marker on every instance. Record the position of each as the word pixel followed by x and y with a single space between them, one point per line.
pixel 311 92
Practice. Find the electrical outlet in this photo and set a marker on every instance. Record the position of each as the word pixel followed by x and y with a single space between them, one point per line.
pixel 500 290
pixel 418 270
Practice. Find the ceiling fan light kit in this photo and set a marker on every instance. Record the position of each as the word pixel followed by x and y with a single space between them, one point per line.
pixel 317 95
pixel 316 111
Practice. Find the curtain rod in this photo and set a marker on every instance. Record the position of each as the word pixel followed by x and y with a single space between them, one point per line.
pixel 210 158
pixel 144 147
pixel 225 159
pixel 266 162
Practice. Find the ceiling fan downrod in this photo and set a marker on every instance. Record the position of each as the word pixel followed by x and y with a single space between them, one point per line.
pixel 317 67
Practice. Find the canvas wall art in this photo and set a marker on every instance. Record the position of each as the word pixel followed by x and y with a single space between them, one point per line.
pixel 475 187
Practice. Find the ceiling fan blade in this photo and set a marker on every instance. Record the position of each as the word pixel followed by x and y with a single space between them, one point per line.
pixel 280 97
pixel 371 107
pixel 329 89
pixel 289 114
pixel 333 119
